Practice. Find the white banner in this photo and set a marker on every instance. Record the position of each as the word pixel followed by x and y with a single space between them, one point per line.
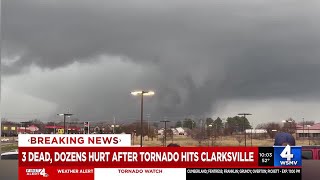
pixel 140 173
pixel 74 140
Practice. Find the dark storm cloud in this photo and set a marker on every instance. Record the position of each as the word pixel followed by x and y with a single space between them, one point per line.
pixel 202 51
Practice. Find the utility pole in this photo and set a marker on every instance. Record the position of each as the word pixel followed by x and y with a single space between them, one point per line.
pixel 142 93
pixel 148 119
pixel 244 120
pixel 165 121
pixel 251 136
pixel 114 124
pixel 64 120
pixel 303 129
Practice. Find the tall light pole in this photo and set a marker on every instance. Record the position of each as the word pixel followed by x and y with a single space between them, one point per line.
pixel 165 132
pixel 54 127
pixel 64 120
pixel 308 133
pixel 148 119
pixel 251 136
pixel 303 129
pixel 142 93
pixel 245 136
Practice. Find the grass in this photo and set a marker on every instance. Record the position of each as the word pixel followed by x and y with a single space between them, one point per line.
pixel 9 147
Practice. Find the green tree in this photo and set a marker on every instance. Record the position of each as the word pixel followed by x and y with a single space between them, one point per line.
pixel 209 125
pixel 179 124
pixel 209 121
pixel 189 123
pixel 218 125
pixel 237 124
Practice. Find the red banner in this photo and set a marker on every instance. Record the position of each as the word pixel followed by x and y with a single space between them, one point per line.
pixel 137 157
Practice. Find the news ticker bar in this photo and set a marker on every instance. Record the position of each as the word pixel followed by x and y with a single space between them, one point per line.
pixel 63 173
pixel 162 157
pixel 245 173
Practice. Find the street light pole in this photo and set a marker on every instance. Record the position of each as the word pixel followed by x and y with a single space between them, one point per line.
pixel 141 120
pixel 245 136
pixel 251 136
pixel 165 132
pixel 148 119
pixel 303 129
pixel 309 134
pixel 64 120
pixel 142 93
pixel 273 133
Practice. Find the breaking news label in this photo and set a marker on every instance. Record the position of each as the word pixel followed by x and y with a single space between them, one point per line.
pixel 107 156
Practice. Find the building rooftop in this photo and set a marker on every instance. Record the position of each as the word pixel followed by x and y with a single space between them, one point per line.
pixel 316 126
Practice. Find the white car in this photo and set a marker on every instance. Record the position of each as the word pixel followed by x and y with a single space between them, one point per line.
pixel 4 140
pixel 13 155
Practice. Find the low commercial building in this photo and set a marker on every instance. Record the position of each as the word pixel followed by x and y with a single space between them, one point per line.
pixel 308 131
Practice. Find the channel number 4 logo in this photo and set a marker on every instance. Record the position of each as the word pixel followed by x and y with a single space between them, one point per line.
pixel 43 173
pixel 286 153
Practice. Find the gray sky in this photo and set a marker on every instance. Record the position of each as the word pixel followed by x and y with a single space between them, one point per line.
pixel 203 58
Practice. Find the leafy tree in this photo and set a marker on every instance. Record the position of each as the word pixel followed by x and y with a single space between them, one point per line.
pixel 237 124
pixel 209 121
pixel 178 124
pixel 218 126
pixel 189 123
pixel 209 125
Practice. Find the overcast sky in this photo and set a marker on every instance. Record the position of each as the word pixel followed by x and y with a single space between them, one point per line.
pixel 202 58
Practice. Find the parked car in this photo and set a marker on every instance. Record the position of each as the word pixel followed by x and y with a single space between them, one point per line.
pixel 311 152
pixel 12 155
pixel 4 140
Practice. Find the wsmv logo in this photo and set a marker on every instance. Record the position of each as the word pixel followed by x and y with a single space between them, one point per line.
pixel 287 155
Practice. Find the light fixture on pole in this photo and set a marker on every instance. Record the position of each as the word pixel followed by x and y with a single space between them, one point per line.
pixel 64 120
pixel 142 93
pixel 245 136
